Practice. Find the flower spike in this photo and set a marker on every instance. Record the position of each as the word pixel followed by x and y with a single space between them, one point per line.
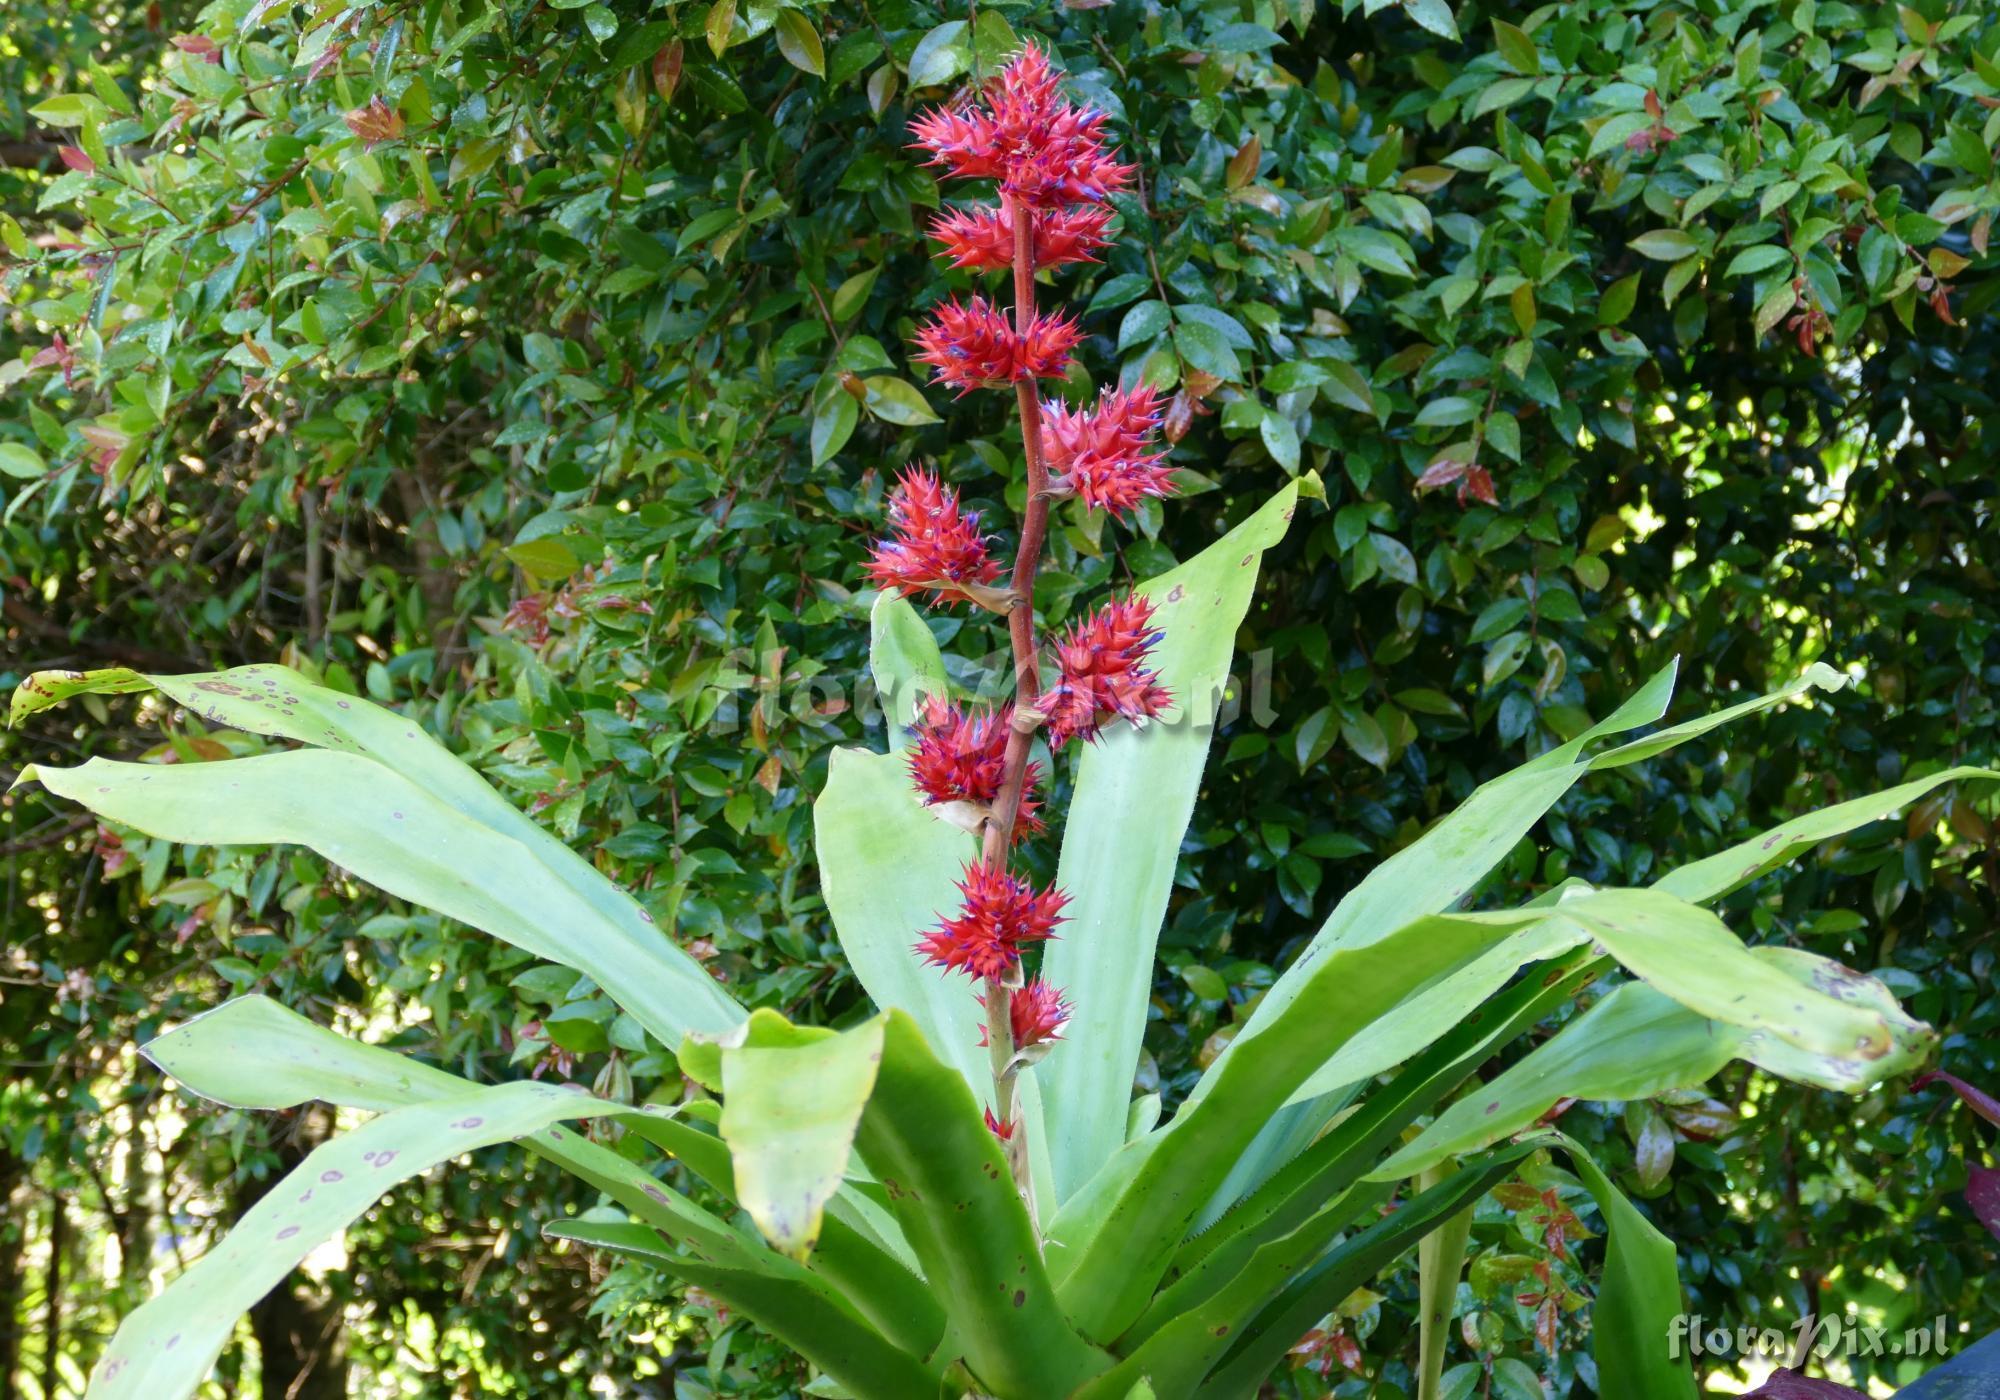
pixel 970 345
pixel 1102 675
pixel 1001 914
pixel 1104 455
pixel 935 546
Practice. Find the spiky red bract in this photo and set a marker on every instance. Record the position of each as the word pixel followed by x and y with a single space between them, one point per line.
pixel 971 344
pixel 961 756
pixel 1042 149
pixel 1106 453
pixel 1038 1013
pixel 1101 672
pixel 1001 913
pixel 1003 1131
pixel 982 238
pixel 934 543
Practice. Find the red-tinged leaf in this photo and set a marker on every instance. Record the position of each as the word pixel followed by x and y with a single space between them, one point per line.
pixel 1478 482
pixel 200 46
pixel 1790 1385
pixel 76 160
pixel 1976 1099
pixel 1982 1193
pixel 667 70
pixel 375 123
pixel 1442 473
pixel 1346 1351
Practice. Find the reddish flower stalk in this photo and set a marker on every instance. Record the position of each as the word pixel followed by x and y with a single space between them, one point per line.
pixel 1053 171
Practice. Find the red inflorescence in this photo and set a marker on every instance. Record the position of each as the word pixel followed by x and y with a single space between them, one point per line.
pixel 982 238
pixel 970 344
pixel 961 756
pixel 1001 914
pixel 935 545
pixel 1003 1131
pixel 1105 454
pixel 1101 672
pixel 1041 149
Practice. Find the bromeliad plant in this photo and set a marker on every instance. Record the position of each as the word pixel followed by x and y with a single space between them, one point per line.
pixel 959 1194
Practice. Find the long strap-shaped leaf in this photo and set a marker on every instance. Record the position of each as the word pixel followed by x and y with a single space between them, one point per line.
pixel 1447 862
pixel 923 1137
pixel 1135 791
pixel 253 1053
pixel 164 1349
pixel 1638 1042
pixel 893 1299
pixel 1714 876
pixel 1352 1147
pixel 1246 1354
pixel 808 1319
pixel 1682 949
pixel 380 797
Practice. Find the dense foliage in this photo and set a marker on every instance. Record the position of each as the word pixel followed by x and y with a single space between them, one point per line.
pixel 502 361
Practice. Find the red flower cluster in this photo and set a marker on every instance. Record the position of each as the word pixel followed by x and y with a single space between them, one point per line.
pixel 1038 1013
pixel 970 345
pixel 1102 672
pixel 1105 454
pixel 1041 149
pixel 935 545
pixel 982 238
pixel 1001 914
pixel 961 757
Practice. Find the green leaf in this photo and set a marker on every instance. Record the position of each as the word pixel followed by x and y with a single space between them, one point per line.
pixel 1715 876
pixel 389 803
pixel 1106 1278
pixel 1346 387
pixel 797 1309
pixel 904 662
pixel 887 868
pixel 1135 792
pixel 896 400
pixel 940 55
pixel 1666 244
pixel 1204 347
pixel 833 424
pixel 1434 15
pixel 1141 323
pixel 1638 1294
pixel 19 460
pixel 720 23
pixel 923 1138
pixel 799 42
pixel 1442 866
pixel 254 1053
pixel 164 1349
pixel 1517 50
pixel 1309 1295
pixel 1281 440
pixel 1761 258
pixel 1640 1042
pixel 1613 132
pixel 788 1114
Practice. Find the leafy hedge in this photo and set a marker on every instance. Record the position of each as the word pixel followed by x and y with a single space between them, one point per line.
pixel 527 365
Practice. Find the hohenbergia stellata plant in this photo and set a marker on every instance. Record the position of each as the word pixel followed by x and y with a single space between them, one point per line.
pixel 1049 162
pixel 919 1217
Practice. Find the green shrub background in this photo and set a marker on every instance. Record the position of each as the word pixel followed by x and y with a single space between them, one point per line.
pixel 538 415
